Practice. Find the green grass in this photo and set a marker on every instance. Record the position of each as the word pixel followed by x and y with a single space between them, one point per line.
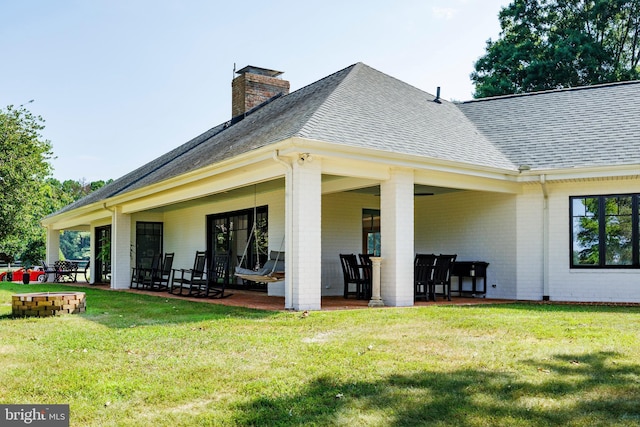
pixel 135 360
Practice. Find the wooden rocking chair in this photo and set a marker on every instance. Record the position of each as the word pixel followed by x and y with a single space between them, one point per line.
pixel 217 278
pixel 140 274
pixel 160 277
pixel 189 279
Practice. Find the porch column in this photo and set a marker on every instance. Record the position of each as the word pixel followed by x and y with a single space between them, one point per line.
pixel 53 245
pixel 120 249
pixel 396 234
pixel 306 245
pixel 92 254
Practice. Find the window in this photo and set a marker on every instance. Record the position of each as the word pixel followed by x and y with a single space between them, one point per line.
pixel 371 231
pixel 148 242
pixel 604 231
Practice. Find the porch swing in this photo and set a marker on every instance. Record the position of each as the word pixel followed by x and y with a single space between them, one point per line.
pixel 271 271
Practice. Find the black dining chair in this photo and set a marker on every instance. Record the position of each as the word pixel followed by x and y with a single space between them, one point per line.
pixel 442 275
pixel 352 275
pixel 367 273
pixel 423 267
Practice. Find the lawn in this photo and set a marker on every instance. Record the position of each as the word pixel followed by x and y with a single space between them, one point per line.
pixel 136 360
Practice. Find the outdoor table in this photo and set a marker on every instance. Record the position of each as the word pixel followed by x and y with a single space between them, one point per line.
pixel 474 270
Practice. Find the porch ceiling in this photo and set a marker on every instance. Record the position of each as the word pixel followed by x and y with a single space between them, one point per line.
pixel 236 193
pixel 418 190
pixel 338 184
pixel 277 184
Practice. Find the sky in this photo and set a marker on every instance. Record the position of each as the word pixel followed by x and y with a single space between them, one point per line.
pixel 121 82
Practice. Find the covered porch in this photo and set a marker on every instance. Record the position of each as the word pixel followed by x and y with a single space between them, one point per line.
pixel 314 199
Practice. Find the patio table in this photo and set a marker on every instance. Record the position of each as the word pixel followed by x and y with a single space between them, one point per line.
pixel 474 270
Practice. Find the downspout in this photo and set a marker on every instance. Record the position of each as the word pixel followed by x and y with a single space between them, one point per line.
pixel 288 229
pixel 545 238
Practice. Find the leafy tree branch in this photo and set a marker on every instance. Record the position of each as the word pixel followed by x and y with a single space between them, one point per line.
pixel 553 44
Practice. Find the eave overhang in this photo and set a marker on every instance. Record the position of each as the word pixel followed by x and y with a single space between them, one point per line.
pixel 337 159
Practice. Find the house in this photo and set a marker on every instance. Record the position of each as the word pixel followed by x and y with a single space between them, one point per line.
pixel 542 186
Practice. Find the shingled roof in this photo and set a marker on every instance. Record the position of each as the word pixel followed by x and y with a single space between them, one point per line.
pixel 568 128
pixel 364 108
pixel 357 106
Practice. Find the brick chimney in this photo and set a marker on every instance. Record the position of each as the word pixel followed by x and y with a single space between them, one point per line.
pixel 253 86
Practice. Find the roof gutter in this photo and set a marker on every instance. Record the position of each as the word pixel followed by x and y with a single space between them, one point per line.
pixel 580 173
pixel 406 160
pixel 219 168
pixel 288 228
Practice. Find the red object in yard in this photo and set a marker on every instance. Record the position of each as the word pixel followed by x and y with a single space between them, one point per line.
pixel 34 275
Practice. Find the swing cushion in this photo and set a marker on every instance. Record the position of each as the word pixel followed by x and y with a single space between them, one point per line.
pixel 275 259
pixel 276 255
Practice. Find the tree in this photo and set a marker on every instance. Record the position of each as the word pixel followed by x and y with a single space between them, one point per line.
pixel 53 196
pixel 29 193
pixel 553 44
pixel 24 163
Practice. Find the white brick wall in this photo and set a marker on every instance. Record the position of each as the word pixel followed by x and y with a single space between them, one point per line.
pixel 397 239
pixel 476 226
pixel 305 261
pixel 185 229
pixel 604 285
pixel 341 233
pixel 53 245
pixel 530 236
pixel 120 250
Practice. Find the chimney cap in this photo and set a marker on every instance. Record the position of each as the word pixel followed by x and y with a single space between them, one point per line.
pixel 260 71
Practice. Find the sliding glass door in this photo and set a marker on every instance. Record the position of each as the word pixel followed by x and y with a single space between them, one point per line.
pixel 232 234
pixel 103 254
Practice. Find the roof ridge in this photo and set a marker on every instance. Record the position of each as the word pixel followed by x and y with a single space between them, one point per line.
pixel 129 180
pixel 305 128
pixel 552 91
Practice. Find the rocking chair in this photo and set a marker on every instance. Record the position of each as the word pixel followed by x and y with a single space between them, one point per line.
pixel 160 277
pixel 217 278
pixel 189 279
pixel 140 274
